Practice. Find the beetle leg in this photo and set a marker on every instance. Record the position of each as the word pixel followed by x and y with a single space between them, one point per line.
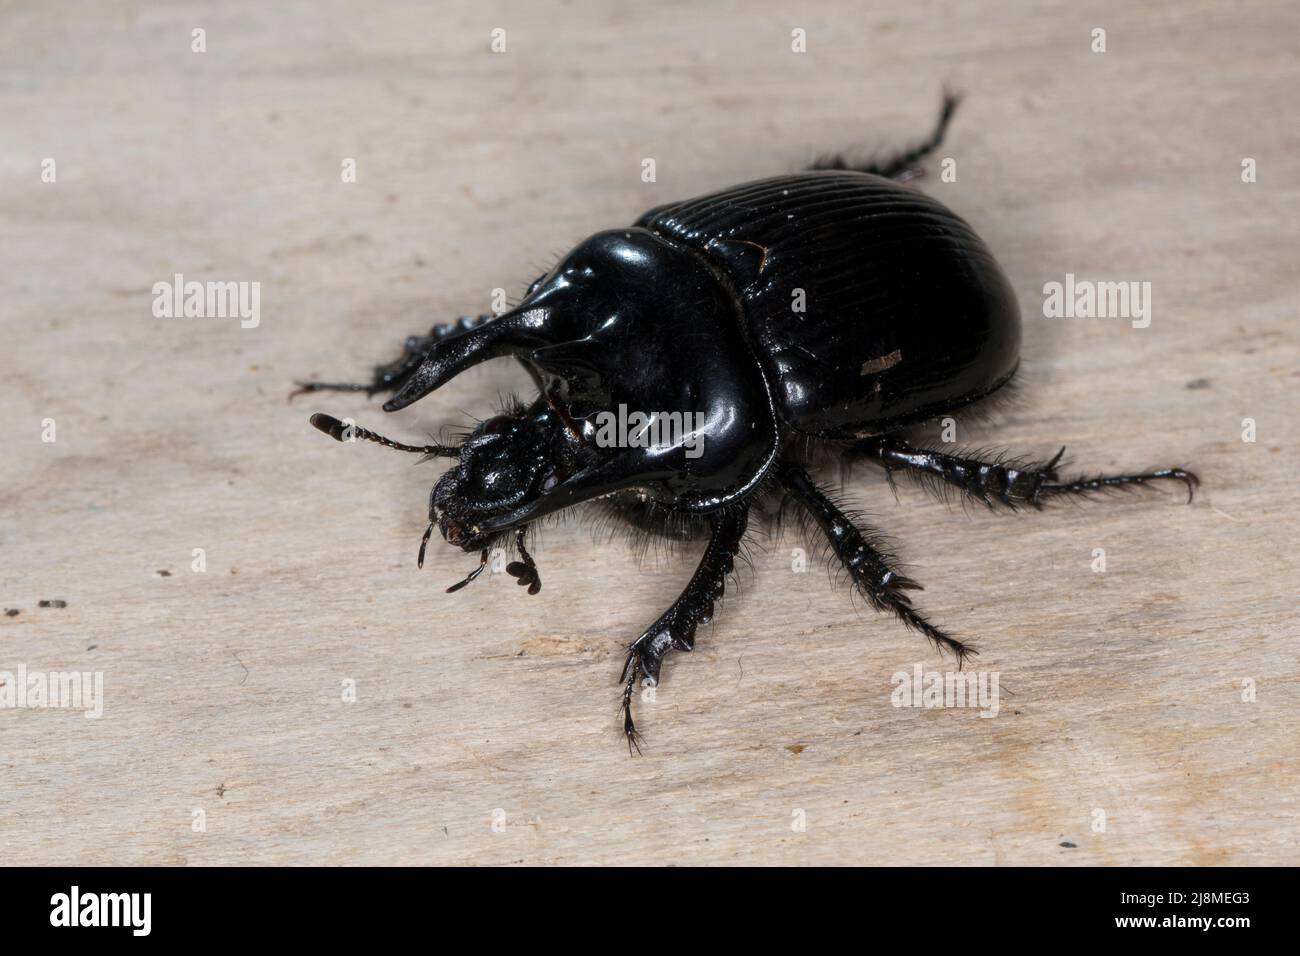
pixel 1085 486
pixel 393 375
pixel 901 166
pixel 524 571
pixel 675 628
pixel 1005 481
pixel 866 560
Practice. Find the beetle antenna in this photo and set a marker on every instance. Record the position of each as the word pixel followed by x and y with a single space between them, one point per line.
pixel 483 560
pixel 340 432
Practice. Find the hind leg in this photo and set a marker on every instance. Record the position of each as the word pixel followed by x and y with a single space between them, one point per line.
pixel 393 375
pixel 901 165
pixel 1004 481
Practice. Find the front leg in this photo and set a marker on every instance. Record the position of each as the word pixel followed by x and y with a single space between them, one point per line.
pixel 393 375
pixel 675 629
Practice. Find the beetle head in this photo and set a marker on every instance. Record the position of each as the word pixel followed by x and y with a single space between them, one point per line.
pixel 508 463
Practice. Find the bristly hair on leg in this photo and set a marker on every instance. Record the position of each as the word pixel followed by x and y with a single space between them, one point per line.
pixel 811 533
pixel 947 492
pixel 848 456
pixel 864 553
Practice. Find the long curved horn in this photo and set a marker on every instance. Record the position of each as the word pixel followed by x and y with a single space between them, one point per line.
pixel 512 333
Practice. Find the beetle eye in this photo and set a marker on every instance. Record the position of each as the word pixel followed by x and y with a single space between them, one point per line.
pixel 493 425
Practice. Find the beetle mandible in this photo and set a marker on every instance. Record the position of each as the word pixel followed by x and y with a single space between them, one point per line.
pixel 904 316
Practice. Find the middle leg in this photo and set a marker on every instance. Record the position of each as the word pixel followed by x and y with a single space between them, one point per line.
pixel 867 563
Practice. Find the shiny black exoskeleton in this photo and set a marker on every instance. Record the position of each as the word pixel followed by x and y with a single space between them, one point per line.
pixel 834 307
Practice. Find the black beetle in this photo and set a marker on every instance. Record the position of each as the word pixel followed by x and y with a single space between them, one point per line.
pixel 833 309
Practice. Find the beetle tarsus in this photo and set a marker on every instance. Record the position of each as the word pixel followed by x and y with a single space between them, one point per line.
pixel 634 738
pixel 1086 486
pixel 305 388
pixel 901 166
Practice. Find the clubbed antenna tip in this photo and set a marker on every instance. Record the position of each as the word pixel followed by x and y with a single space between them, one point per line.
pixel 342 432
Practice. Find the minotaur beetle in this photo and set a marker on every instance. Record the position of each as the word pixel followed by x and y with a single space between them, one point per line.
pixel 831 309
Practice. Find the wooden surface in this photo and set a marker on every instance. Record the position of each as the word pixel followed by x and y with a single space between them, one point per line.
pixel 1121 691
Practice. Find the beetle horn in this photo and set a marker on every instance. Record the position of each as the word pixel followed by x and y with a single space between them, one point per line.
pixel 512 333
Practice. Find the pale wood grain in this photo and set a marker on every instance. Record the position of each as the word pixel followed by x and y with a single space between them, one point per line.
pixel 223 688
